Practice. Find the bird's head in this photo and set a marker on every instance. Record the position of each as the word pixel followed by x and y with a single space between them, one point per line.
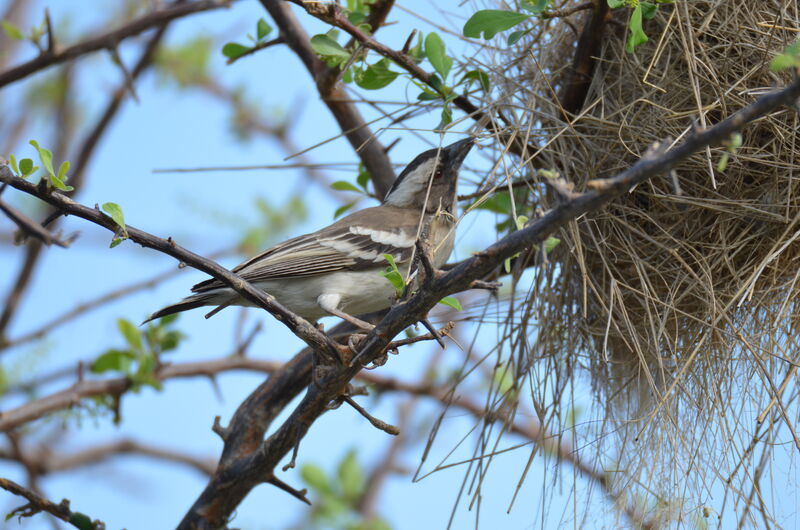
pixel 436 169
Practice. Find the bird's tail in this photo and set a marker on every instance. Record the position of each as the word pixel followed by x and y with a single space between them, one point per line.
pixel 190 302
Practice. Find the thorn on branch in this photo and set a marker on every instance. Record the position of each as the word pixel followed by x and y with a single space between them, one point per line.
pixel 409 40
pixel 385 427
pixel 297 494
pixel 222 432
pixel 51 38
pixel 292 462
pixel 434 332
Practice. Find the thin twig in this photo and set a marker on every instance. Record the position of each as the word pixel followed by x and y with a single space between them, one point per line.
pixel 108 40
pixel 37 504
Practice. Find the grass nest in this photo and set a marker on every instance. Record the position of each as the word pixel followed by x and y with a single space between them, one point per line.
pixel 685 295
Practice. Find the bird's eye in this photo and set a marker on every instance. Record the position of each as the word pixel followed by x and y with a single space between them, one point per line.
pixel 438 174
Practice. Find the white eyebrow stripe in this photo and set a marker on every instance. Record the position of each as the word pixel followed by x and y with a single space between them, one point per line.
pixel 382 237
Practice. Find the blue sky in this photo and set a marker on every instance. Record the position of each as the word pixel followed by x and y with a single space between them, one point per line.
pixel 208 211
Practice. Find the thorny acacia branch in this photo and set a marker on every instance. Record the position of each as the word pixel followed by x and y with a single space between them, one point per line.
pixel 245 462
pixel 107 41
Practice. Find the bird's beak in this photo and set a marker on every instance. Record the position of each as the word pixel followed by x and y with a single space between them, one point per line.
pixel 457 152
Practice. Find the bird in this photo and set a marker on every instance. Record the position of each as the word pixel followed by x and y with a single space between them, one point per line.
pixel 336 271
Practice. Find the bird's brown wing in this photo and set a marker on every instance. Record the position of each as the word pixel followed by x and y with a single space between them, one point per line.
pixel 351 244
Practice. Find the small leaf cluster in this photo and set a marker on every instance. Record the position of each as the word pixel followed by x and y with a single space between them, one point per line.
pixel 641 11
pixel 139 359
pixel 337 497
pixel 234 50
pixel 34 35
pixel 25 168
pixel 487 23
pixel 356 67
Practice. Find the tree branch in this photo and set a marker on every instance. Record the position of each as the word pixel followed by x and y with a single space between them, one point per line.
pixel 352 124
pixel 108 40
pixel 299 326
pixel 251 462
pixel 37 504
pixel 78 175
pixel 45 462
pixel 331 13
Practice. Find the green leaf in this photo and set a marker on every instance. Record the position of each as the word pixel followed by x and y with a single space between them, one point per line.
pixel 58 183
pixel 782 62
pixel 343 185
pixel 234 50
pixel 500 203
pixel 115 211
pixel 315 478
pixel 516 35
pixel 376 76
pixel 131 333
pixel 262 29
pixel 45 156
pixel 25 167
pixel 437 54
pixel 550 244
pixel 427 95
pixel 392 273
pixel 167 320
pixel 790 58
pixel 649 9
pixel 112 361
pixel 520 221
pixel 490 22
pixel 451 301
pixel 614 4
pixel 447 117
pixel 12 162
pixel 12 31
pixel 116 241
pixel 342 209
pixel 479 76
pixel 637 35
pixel 325 46
pixel 63 169
pixel 351 477
pixel 171 340
pixel 81 521
pixel 363 177
pixel 417 52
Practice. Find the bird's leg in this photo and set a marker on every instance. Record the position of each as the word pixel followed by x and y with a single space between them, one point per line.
pixel 330 304
pixel 357 322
